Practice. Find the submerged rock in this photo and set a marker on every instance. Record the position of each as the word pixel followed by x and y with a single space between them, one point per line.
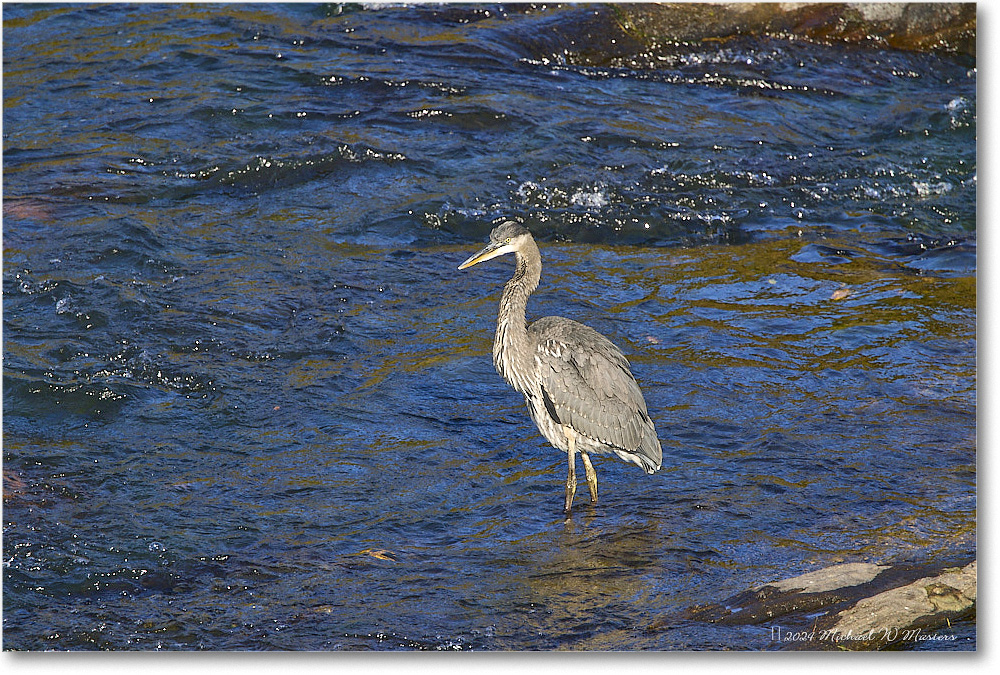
pixel 854 606
pixel 918 26
pixel 643 35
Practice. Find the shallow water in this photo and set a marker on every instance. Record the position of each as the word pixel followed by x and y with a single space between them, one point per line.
pixel 248 398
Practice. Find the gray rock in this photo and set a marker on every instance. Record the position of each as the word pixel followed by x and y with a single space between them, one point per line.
pixel 831 578
pixel 888 617
pixel 853 606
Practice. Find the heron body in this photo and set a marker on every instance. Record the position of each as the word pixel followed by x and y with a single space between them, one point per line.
pixel 577 384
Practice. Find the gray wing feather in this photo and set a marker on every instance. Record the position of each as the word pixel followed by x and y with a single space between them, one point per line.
pixel 590 386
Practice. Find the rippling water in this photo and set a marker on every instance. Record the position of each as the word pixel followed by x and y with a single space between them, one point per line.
pixel 248 400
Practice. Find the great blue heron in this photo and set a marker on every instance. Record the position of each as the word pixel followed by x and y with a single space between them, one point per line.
pixel 578 385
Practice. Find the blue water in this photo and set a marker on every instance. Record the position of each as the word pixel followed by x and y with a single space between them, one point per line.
pixel 248 399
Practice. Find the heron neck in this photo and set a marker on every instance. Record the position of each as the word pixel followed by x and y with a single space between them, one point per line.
pixel 512 352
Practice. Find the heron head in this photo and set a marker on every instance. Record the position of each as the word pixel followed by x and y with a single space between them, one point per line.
pixel 507 237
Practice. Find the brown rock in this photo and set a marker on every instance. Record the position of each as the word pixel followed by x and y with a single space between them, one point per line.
pixel 944 27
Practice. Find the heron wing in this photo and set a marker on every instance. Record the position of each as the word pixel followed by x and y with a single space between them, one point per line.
pixel 587 384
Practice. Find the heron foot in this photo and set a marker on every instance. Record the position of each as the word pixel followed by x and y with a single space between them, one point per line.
pixel 571 473
pixel 591 477
pixel 570 492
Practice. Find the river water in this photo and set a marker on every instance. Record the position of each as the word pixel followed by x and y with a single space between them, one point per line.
pixel 248 400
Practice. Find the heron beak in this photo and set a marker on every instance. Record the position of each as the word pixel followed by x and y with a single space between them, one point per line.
pixel 488 253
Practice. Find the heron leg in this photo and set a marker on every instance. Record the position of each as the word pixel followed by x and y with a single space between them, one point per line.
pixel 571 476
pixel 591 476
